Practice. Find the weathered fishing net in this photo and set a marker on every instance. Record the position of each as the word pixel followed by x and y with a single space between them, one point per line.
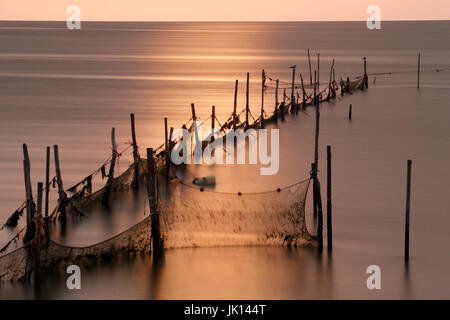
pixel 16 264
pixel 191 217
pixel 82 205
pixel 356 84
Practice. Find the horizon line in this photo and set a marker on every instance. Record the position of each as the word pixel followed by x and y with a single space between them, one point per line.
pixel 399 20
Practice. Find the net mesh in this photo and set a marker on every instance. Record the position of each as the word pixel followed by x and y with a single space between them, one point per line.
pixel 189 217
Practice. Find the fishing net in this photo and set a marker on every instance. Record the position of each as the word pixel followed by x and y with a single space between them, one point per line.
pixel 81 205
pixel 14 265
pixel 189 217
pixel 192 217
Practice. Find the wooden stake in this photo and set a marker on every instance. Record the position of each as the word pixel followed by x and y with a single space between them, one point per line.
pixel 133 137
pixel 292 89
pixel 418 71
pixel 166 150
pixel 333 84
pixel 310 72
pixel 303 92
pixel 318 70
pixel 317 204
pixel 316 140
pixel 329 206
pixel 170 139
pixel 235 105
pixel 284 104
pixel 40 187
pixel 112 165
pixel 366 79
pixel 153 203
pixel 198 148
pixel 62 197
pixel 408 201
pixel 136 158
pixel 113 156
pixel 246 101
pixel 276 101
pixel 350 112
pixel 320 215
pixel 330 89
pixel 194 117
pixel 170 144
pixel 315 87
pixel 30 208
pixel 47 181
pixel 263 85
pixel 213 121
pixel 58 171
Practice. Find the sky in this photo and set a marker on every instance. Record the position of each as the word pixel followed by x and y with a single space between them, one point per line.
pixel 224 10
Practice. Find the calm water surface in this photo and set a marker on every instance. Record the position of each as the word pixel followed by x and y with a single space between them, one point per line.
pixel 70 87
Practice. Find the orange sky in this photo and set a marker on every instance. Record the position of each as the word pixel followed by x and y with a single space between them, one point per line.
pixel 210 10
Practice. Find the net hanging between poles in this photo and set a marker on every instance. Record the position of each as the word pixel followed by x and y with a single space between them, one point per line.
pixel 189 217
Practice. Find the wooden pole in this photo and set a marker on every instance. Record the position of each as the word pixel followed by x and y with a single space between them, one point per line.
pixel 333 84
pixel 329 206
pixel 317 204
pixel 418 71
pixel 133 137
pixel 315 88
pixel 366 80
pixel 58 171
pixel 30 209
pixel 198 147
pixel 276 100
pixel 316 141
pixel 62 198
pixel 153 203
pixel 112 165
pixel 136 159
pixel 318 70
pixel 113 156
pixel 194 117
pixel 303 92
pixel 330 89
pixel 408 201
pixel 235 105
pixel 292 89
pixel 166 148
pixel 246 101
pixel 284 104
pixel 170 144
pixel 320 215
pixel 350 112
pixel 263 85
pixel 40 188
pixel 47 181
pixel 170 139
pixel 310 72
pixel 213 121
